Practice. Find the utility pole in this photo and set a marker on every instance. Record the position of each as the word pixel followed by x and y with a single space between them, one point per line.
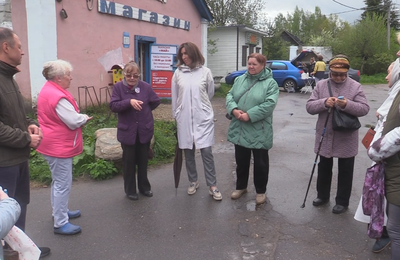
pixel 388 24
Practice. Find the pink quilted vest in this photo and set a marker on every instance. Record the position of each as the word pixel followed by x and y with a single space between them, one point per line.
pixel 58 140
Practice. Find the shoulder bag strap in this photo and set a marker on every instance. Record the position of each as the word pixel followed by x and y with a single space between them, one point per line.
pixel 247 90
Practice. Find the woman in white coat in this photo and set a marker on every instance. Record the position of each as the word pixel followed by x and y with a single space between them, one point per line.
pixel 393 79
pixel 192 89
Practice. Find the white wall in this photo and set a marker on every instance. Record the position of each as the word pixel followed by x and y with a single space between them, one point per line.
pixel 42 39
pixel 224 60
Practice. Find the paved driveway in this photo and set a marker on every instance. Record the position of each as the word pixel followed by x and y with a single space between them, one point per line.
pixel 174 225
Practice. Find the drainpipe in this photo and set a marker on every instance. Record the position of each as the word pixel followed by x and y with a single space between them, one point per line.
pixel 204 37
pixel 237 48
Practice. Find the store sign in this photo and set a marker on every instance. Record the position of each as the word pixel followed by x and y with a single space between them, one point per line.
pixel 161 62
pixel 161 83
pixel 252 38
pixel 112 8
pixel 164 49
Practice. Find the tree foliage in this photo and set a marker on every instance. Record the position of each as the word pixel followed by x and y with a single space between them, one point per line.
pixel 307 26
pixel 366 41
pixel 243 12
pixel 381 8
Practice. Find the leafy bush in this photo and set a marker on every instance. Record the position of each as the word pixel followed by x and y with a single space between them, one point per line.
pixel 86 163
pixel 100 169
pixel 39 169
pixel 377 64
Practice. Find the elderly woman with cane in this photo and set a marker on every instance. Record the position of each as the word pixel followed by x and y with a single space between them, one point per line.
pixel 338 92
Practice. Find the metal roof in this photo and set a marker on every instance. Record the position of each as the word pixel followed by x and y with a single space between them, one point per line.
pixel 203 9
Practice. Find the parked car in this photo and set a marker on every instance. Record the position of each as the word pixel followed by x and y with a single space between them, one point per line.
pixel 284 72
pixel 354 74
pixel 304 59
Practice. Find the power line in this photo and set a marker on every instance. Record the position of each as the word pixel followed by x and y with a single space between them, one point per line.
pixel 358 9
pixel 345 5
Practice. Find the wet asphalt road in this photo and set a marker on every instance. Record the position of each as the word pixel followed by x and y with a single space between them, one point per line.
pixel 173 225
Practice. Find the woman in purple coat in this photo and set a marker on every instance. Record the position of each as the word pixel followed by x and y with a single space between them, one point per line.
pixel 340 144
pixel 134 100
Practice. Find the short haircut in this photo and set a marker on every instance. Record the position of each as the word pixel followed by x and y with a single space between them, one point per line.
pixel 259 57
pixel 130 66
pixel 7 35
pixel 192 51
pixel 320 57
pixel 52 69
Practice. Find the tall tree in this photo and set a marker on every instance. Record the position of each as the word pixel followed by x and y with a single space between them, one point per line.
pixel 365 43
pixel 243 12
pixel 382 8
pixel 306 25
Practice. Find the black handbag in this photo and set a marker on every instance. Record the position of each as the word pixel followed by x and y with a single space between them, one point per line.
pixel 342 121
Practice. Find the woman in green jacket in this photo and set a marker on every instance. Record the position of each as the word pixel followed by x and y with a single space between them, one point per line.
pixel 251 102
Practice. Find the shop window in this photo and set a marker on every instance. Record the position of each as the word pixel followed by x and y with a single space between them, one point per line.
pixel 244 55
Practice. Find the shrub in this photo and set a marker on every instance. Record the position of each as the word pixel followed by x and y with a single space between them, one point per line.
pixel 85 163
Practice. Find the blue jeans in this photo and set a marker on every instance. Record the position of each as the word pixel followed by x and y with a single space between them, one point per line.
pixel 16 180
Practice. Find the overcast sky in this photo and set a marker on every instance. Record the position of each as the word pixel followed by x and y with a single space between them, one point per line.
pixel 274 7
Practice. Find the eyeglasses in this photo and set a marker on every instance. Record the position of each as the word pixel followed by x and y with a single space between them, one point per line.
pixel 336 74
pixel 135 76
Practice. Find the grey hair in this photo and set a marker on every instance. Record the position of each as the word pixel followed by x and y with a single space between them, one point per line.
pixel 52 69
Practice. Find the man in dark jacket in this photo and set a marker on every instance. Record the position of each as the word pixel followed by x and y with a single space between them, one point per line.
pixel 18 134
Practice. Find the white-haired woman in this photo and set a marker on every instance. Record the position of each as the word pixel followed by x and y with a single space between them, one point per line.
pixel 61 123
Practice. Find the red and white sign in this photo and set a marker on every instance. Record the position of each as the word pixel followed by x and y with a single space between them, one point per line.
pixel 161 83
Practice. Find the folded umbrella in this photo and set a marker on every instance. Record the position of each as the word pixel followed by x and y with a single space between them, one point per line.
pixel 177 162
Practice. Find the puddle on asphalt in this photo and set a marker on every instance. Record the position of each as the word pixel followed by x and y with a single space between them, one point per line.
pixel 251 206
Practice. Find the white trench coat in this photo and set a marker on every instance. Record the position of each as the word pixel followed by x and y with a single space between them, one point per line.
pixel 192 90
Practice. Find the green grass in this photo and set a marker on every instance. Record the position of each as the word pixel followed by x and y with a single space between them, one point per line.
pixel 373 79
pixel 98 169
pixel 223 90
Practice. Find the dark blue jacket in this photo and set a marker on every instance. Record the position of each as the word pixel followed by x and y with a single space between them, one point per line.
pixel 130 121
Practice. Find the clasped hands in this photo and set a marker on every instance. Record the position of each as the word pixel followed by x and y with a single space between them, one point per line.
pixel 240 115
pixel 136 104
pixel 36 136
pixel 331 101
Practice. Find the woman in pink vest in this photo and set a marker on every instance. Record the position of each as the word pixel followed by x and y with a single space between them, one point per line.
pixel 61 123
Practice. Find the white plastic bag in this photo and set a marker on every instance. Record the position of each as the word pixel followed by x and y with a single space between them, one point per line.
pixel 20 242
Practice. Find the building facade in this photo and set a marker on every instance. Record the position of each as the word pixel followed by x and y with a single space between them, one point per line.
pixel 233 44
pixel 95 35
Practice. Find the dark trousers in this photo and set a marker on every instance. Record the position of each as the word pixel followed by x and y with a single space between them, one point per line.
pixel 261 168
pixel 16 180
pixel 344 183
pixel 132 156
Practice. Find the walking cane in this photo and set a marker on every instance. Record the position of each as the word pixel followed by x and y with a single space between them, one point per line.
pixel 316 157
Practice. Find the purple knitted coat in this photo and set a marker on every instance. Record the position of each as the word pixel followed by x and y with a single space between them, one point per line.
pixel 335 143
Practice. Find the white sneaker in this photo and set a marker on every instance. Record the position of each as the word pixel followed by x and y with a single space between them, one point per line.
pixel 216 194
pixel 193 188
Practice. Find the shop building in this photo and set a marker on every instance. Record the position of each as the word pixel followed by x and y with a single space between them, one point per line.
pixel 96 36
pixel 233 44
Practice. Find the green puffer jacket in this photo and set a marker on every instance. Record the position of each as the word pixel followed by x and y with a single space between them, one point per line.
pixel 259 103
